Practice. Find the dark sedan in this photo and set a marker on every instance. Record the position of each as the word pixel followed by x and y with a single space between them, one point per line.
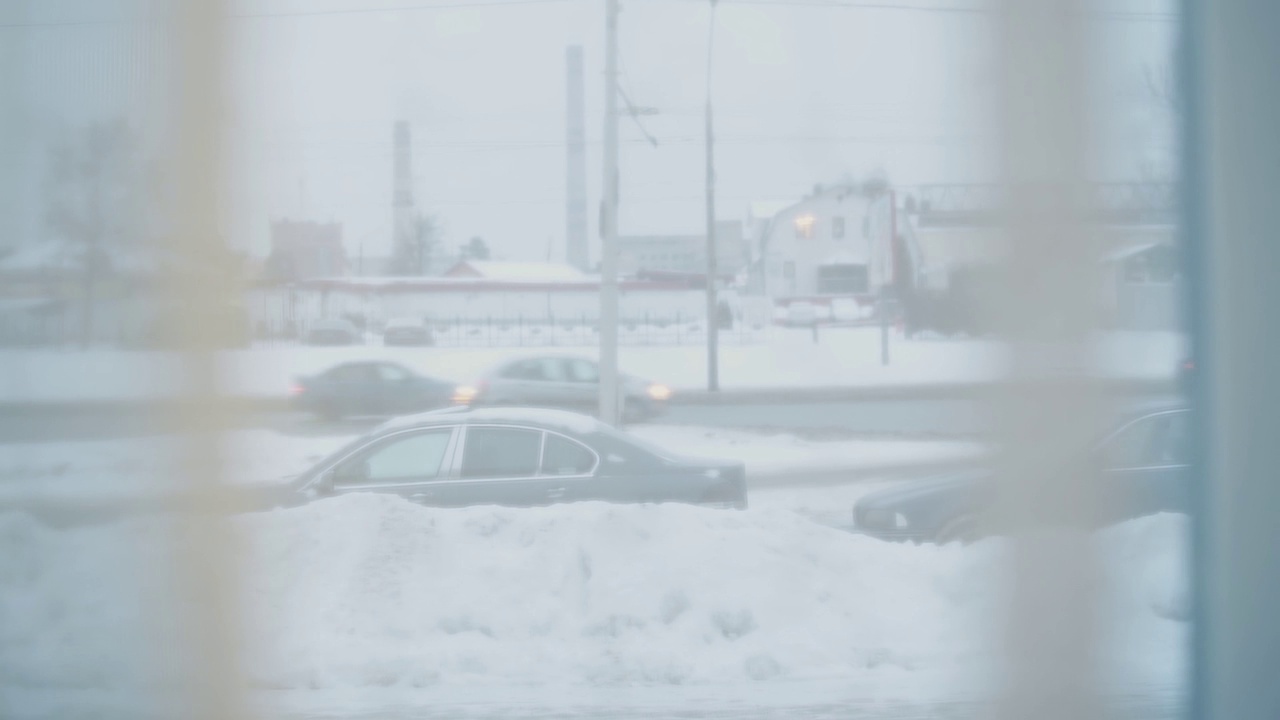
pixel 332 332
pixel 370 388
pixel 1144 471
pixel 521 457
pixel 405 332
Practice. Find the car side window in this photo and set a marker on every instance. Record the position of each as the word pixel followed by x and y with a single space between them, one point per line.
pixel 562 456
pixel 392 373
pixel 583 371
pixel 354 373
pixel 405 458
pixel 524 370
pixel 501 452
pixel 552 369
pixel 1138 445
pixel 1176 438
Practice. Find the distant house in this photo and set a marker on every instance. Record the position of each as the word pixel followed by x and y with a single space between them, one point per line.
pixel 820 246
pixel 302 249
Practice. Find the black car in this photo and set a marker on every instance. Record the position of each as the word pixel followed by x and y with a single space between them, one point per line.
pixel 405 332
pixel 520 457
pixel 370 388
pixel 332 332
pixel 1144 471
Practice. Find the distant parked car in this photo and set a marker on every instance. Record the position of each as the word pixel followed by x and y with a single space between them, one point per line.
pixel 517 456
pixel 562 382
pixel 370 388
pixel 802 314
pixel 405 331
pixel 1144 472
pixel 332 332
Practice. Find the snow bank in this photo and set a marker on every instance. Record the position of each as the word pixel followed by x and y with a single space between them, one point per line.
pixel 370 590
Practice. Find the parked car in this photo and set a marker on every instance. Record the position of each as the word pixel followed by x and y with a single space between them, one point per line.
pixel 1144 471
pixel 562 382
pixel 370 388
pixel 517 456
pixel 802 314
pixel 332 332
pixel 405 331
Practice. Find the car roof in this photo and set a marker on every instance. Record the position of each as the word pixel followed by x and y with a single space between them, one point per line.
pixel 1144 407
pixel 545 418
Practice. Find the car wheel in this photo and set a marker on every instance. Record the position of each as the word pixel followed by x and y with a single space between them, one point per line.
pixel 962 529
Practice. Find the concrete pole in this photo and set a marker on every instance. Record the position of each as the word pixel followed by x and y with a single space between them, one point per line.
pixel 713 314
pixel 609 391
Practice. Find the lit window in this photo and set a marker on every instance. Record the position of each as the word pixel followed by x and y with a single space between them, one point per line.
pixel 804 226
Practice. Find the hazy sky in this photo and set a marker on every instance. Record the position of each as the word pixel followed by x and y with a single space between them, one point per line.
pixel 805 92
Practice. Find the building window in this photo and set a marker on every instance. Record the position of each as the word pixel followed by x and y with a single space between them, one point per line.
pixel 837 228
pixel 804 226
pixel 789 270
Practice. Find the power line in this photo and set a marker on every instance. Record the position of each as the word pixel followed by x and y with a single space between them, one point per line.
pixel 292 13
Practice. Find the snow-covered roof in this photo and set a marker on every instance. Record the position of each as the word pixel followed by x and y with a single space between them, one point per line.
pixel 526 271
pixel 769 208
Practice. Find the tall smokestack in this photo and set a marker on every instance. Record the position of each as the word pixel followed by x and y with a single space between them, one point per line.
pixel 405 254
pixel 575 244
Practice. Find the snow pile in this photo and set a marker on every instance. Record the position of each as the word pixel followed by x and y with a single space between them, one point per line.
pixel 371 590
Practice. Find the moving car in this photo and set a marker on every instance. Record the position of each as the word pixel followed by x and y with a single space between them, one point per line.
pixel 332 332
pixel 405 331
pixel 1144 471
pixel 517 456
pixel 562 382
pixel 370 388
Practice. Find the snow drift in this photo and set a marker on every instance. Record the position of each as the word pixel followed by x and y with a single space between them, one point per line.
pixel 371 590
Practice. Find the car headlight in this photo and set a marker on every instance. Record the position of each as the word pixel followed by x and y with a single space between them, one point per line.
pixel 658 392
pixel 463 395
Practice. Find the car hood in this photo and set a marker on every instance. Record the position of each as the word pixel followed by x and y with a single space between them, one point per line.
pixel 908 492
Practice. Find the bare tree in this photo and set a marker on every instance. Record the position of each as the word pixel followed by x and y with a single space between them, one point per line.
pixel 414 258
pixel 96 185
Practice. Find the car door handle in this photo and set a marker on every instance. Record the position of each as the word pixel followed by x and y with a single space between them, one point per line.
pixel 555 493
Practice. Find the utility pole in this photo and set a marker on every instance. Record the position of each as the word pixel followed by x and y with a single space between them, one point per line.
pixel 609 410
pixel 713 309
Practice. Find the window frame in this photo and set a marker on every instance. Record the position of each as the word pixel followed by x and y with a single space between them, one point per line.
pixel 443 475
pixel 538 474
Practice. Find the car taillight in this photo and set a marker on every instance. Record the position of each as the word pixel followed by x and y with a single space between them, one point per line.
pixel 297 389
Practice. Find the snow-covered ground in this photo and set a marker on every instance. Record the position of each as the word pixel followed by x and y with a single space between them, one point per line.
pixel 789 358
pixel 385 603
pixel 370 606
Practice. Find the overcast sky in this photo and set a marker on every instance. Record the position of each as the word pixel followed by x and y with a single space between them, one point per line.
pixel 805 92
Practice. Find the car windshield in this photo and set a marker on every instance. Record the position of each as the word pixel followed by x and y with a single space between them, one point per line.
pixel 695 359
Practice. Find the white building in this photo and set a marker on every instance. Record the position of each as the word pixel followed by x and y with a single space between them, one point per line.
pixel 821 247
